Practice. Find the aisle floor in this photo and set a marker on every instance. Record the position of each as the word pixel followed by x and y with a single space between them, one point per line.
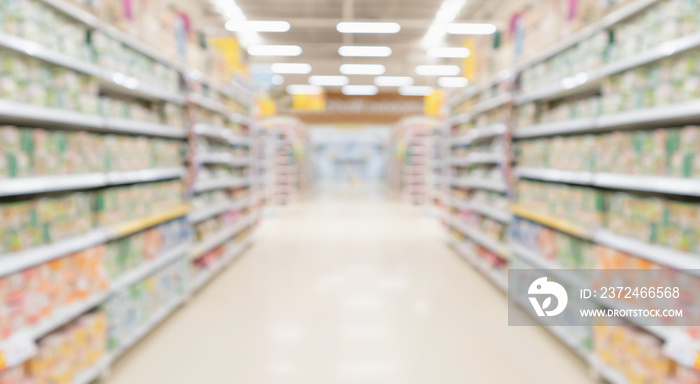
pixel 348 287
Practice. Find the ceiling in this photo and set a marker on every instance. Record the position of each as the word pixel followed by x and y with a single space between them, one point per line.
pixel 313 27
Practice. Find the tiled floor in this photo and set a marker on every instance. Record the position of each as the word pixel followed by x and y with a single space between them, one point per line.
pixel 348 288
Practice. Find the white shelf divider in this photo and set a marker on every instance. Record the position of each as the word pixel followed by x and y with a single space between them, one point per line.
pixel 654 184
pixel 33 185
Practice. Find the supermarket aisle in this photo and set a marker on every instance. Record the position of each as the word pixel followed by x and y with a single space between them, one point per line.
pixel 348 288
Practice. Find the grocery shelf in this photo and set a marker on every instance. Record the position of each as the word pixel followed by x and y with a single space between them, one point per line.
pixel 673 114
pixel 145 328
pixel 492 103
pixel 17 261
pixel 591 80
pixel 215 210
pixel 557 128
pixel 209 185
pixel 654 184
pixel 40 52
pixel 221 237
pixel 497 214
pixel 679 113
pixel 150 129
pixel 222 158
pixel 554 175
pixel 606 22
pixel 148 268
pixel 145 175
pixel 20 113
pixel 501 281
pixel 133 87
pixel 608 373
pixel 481 238
pixel 212 132
pixel 210 104
pixel 32 185
pixel 110 80
pixel 63 316
pixel 14 262
pixel 87 18
pixel 218 266
pixel 497 278
pixel 14 112
pixel 478 158
pixel 687 262
pixel 139 225
pixel 479 183
pixel 551 221
pixel 460 119
pixel 482 133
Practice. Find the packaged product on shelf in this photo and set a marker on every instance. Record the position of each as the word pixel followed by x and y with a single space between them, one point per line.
pixel 120 58
pixel 637 354
pixel 128 253
pixel 210 199
pixel 669 223
pixel 29 296
pixel 564 250
pixel 212 226
pixel 491 199
pixel 64 354
pixel 32 152
pixel 132 308
pixel 578 204
pixel 36 21
pixel 28 80
pixel 120 204
pixel 46 220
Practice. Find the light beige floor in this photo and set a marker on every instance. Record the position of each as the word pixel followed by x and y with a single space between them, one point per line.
pixel 348 288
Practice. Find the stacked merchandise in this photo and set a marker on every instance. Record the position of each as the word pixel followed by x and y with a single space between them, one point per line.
pixel 266 165
pixel 420 148
pixel 478 213
pixel 224 198
pixel 290 166
pixel 605 139
pixel 94 227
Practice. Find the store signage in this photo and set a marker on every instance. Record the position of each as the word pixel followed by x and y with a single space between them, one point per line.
pixel 385 108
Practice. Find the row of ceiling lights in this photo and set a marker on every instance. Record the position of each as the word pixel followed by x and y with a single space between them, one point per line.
pixel 357 27
pixel 449 72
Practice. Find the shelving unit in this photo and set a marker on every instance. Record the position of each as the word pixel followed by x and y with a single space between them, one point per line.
pixel 531 171
pixel 286 143
pixel 419 168
pixel 206 181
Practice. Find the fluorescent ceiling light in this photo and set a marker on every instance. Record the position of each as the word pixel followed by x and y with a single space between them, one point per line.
pixel 416 91
pixel 291 68
pixel 362 69
pixel 277 80
pixel 257 26
pixel 448 11
pixel 471 29
pixel 274 50
pixel 449 52
pixel 329 81
pixel 303 89
pixel 360 90
pixel 233 12
pixel 438 70
pixel 393 81
pixel 453 82
pixel 360 51
pixel 371 27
